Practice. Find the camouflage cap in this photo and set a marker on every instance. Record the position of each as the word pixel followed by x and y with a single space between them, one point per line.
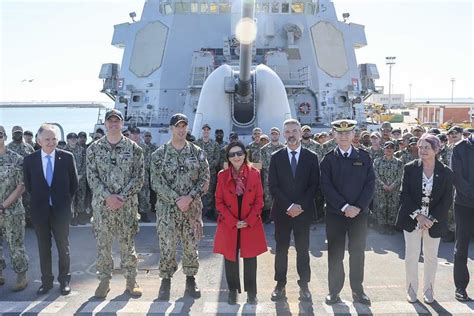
pixel 233 135
pixel 375 134
pixel 17 129
pixel 455 129
pixel 71 135
pixel 274 130
pixel 206 126
pixel 389 144
pixel 178 118
pixel 82 134
pixel 263 136
pixel 413 140
pixel 434 131
pixel 386 125
pixel 344 125
pixel 396 131
pixel 418 128
pixel 112 113
pixel 442 137
pixel 305 128
pixel 146 133
pixel 134 130
pixel 28 133
pixel 364 133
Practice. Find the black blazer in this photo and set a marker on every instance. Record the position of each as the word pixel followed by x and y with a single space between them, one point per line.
pixel 286 189
pixel 411 194
pixel 62 188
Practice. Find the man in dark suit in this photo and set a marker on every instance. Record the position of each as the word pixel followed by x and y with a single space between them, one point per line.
pixel 50 177
pixel 347 182
pixel 293 178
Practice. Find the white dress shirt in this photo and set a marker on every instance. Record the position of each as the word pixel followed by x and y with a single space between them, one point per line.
pixel 44 160
pixel 297 155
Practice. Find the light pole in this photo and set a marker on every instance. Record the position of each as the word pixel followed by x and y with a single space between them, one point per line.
pixel 452 89
pixel 410 85
pixel 390 61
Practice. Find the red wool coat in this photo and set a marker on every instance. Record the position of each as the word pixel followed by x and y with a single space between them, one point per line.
pixel 252 238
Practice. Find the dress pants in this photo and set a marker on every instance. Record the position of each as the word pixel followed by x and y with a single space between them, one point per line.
pixel 59 227
pixel 300 226
pixel 464 219
pixel 413 242
pixel 250 274
pixel 337 227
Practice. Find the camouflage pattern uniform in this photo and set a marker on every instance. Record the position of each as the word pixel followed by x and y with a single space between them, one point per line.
pixel 115 170
pixel 12 222
pixel 266 153
pixel 386 203
pixel 443 155
pixel 253 152
pixel 314 147
pixel 328 146
pixel 79 203
pixel 23 149
pixel 176 173
pixel 212 150
pixel 405 156
pixel 373 153
pixel 144 194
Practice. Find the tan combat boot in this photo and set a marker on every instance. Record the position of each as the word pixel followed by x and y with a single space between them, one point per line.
pixel 133 288
pixel 103 289
pixel 21 282
pixel 2 278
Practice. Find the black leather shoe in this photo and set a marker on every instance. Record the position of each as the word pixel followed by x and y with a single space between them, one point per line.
pixel 305 294
pixel 43 289
pixel 252 299
pixel 165 288
pixel 65 288
pixel 191 287
pixel 361 298
pixel 461 295
pixel 278 293
pixel 332 299
pixel 232 299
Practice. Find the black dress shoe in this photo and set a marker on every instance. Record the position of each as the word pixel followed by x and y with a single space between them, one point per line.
pixel 461 295
pixel 361 298
pixel 332 299
pixel 305 294
pixel 65 288
pixel 43 289
pixel 278 293
pixel 232 299
pixel 252 299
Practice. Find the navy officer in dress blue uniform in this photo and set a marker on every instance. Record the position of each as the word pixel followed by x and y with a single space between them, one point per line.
pixel 347 182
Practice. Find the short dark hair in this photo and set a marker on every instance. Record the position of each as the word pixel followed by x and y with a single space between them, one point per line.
pixel 236 144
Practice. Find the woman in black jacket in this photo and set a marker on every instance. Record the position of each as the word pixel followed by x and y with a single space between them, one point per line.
pixel 426 195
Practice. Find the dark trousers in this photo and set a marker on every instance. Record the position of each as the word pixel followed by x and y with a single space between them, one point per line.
pixel 283 229
pixel 464 219
pixel 59 228
pixel 250 275
pixel 337 227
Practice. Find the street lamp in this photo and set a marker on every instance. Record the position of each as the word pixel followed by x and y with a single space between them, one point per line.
pixel 390 61
pixel 452 89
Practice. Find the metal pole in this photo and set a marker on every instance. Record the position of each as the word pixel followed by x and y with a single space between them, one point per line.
pixel 389 87
pixel 452 89
pixel 410 91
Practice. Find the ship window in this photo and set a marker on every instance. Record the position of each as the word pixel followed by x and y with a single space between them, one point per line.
pixel 224 7
pixel 297 7
pixel 204 7
pixel 168 9
pixel 213 8
pixel 285 8
pixel 136 98
pixel 182 7
pixel 275 7
pixel 194 7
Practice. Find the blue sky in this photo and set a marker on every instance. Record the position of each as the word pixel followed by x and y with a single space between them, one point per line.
pixel 62 44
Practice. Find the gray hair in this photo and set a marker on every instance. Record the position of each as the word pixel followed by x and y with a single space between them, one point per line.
pixel 291 121
pixel 432 140
pixel 46 127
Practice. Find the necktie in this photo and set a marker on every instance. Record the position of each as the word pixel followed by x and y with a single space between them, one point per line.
pixel 346 155
pixel 294 163
pixel 49 175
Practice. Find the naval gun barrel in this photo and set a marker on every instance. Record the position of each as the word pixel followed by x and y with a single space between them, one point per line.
pixel 247 36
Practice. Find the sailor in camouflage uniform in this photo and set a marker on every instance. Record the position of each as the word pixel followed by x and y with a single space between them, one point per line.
pixel 308 143
pixel 409 154
pixel 79 202
pixel 144 205
pixel 375 150
pixel 115 173
pixel 180 177
pixel 266 154
pixel 212 150
pixel 388 174
pixel 23 149
pixel 12 213
pixel 253 149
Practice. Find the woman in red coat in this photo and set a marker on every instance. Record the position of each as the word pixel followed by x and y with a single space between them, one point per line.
pixel 239 200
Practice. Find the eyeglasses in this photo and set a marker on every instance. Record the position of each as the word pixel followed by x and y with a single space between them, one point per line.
pixel 147 135
pixel 239 153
